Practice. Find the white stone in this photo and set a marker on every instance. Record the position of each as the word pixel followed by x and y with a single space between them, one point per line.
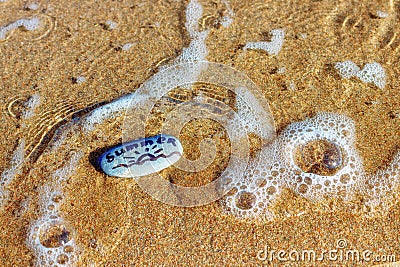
pixel 127 46
pixel 111 25
pixel 382 14
pixel 141 156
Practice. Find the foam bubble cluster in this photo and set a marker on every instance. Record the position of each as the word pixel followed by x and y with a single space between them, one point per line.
pixel 28 24
pixel 50 237
pixel 246 113
pixel 383 186
pixel 273 47
pixel 371 73
pixel 197 50
pixel 32 103
pixel 227 19
pixel 314 158
pixel 18 157
pixel 8 175
pixel 347 69
pixel 320 156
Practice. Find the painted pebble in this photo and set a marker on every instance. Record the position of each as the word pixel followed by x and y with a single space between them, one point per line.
pixel 141 156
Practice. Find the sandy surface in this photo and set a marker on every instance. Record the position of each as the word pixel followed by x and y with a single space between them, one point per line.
pixel 115 223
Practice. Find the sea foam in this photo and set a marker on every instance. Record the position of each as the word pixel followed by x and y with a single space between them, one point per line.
pixel 28 24
pixel 315 158
pixel 228 18
pixel 32 104
pixel 8 175
pixel 273 47
pixel 197 49
pixel 50 236
pixel 383 187
pixel 195 52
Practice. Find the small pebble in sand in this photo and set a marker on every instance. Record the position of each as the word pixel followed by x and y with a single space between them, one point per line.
pixel 80 79
pixel 110 25
pixel 141 156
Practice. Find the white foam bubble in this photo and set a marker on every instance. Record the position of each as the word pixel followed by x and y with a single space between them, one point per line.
pixel 50 237
pixel 194 11
pixel 8 175
pixel 33 102
pixel 195 52
pixel 253 117
pixel 281 70
pixel 29 24
pixel 371 73
pixel 49 252
pixel 18 157
pixel 273 47
pixel 382 14
pixel 253 194
pixel 292 86
pixel 197 49
pixel 337 130
pixel 226 21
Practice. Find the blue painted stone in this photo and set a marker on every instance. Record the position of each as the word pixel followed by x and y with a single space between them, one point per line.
pixel 141 156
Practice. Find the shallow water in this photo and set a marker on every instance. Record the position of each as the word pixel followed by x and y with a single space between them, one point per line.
pixel 65 91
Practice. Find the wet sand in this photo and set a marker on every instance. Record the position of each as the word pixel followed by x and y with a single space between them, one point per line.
pixel 115 223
